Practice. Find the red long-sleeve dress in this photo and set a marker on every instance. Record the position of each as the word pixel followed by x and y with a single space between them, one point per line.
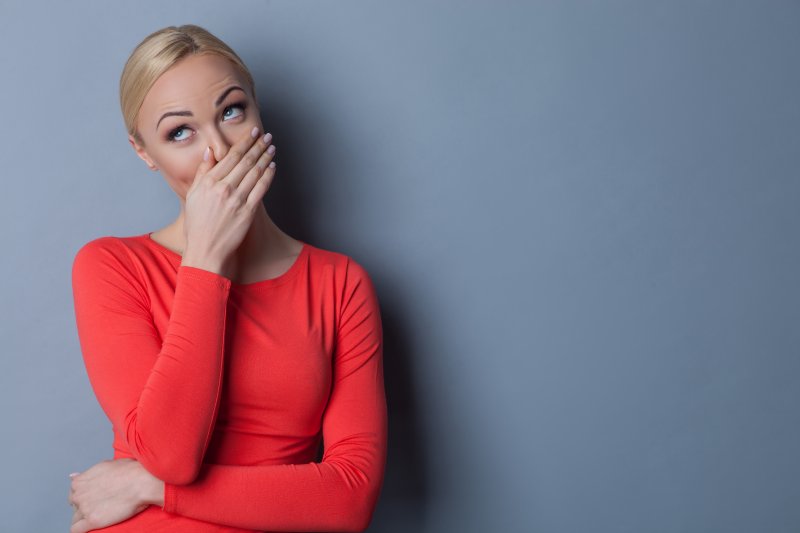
pixel 226 391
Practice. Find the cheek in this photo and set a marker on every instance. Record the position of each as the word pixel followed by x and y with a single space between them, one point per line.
pixel 181 167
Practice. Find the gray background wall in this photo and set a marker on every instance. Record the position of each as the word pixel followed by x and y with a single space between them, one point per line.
pixel 581 218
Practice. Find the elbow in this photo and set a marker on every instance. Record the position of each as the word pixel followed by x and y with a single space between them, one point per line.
pixel 175 472
pixel 182 478
pixel 357 526
pixel 357 522
pixel 362 482
pixel 171 461
pixel 358 514
pixel 181 473
pixel 353 522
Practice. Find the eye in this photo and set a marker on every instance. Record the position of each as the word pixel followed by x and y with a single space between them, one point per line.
pixel 172 136
pixel 240 105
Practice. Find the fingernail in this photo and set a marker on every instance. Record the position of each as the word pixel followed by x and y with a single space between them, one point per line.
pixel 254 133
pixel 74 474
pixel 206 153
pixel 267 137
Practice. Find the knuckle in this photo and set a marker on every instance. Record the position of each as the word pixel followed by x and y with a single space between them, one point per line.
pixel 235 201
pixel 225 189
pixel 249 160
pixel 236 153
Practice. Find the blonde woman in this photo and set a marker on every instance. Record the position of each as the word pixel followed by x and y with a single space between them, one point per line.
pixel 241 369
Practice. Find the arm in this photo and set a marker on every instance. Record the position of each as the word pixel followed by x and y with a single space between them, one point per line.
pixel 339 493
pixel 161 397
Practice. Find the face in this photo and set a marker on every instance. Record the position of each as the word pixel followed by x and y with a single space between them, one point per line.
pixel 193 105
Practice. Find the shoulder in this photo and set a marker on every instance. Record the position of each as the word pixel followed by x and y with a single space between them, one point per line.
pixel 345 268
pixel 106 256
pixel 102 249
pixel 104 270
pixel 98 249
pixel 354 295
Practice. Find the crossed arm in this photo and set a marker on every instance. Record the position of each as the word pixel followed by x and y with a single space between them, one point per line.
pixel 165 399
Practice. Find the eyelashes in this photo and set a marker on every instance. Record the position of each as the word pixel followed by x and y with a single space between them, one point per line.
pixel 241 105
pixel 175 131
pixel 171 135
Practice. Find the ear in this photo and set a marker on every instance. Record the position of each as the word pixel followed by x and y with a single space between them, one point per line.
pixel 141 153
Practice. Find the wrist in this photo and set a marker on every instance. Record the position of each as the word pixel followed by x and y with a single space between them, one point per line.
pixel 203 261
pixel 152 490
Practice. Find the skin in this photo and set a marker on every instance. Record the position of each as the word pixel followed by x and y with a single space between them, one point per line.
pixel 193 84
pixel 112 491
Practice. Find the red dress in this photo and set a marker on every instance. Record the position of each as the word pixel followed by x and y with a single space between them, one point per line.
pixel 226 391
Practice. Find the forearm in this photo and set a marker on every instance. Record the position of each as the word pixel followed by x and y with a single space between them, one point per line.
pixel 340 495
pixel 336 496
pixel 159 388
pixel 177 408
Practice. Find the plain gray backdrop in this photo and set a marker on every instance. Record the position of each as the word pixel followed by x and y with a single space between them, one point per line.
pixel 581 219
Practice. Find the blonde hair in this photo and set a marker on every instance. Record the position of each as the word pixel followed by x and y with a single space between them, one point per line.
pixel 156 54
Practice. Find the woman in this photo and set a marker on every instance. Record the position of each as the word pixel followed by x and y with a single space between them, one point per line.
pixel 224 352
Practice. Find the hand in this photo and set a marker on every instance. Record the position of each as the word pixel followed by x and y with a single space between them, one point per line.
pixel 222 200
pixel 107 493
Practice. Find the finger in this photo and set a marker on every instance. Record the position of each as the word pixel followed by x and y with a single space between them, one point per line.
pixel 81 526
pixel 235 154
pixel 208 162
pixel 247 162
pixel 204 167
pixel 261 187
pixel 76 515
pixel 255 173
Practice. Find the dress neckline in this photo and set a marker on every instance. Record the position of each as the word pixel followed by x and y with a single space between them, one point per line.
pixel 176 258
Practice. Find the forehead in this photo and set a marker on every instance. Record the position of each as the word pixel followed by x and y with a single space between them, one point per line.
pixel 193 81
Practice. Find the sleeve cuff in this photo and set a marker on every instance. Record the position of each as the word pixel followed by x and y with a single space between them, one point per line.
pixel 204 275
pixel 170 498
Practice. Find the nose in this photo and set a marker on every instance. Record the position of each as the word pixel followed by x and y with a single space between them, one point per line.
pixel 218 142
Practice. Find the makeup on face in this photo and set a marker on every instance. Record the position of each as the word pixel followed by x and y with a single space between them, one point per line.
pixel 228 113
pixel 201 101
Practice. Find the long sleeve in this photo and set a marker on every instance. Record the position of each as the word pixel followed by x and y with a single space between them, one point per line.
pixel 161 397
pixel 340 492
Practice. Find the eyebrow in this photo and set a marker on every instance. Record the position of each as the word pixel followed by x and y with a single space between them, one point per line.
pixel 189 113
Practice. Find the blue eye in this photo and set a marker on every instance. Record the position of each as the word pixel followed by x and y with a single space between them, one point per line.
pixel 241 106
pixel 173 135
